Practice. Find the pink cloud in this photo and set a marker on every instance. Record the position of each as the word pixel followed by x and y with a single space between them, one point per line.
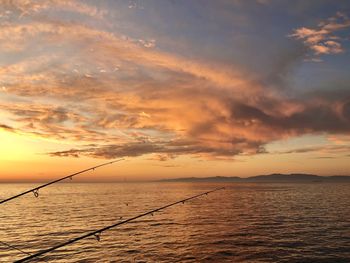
pixel 323 40
pixel 156 102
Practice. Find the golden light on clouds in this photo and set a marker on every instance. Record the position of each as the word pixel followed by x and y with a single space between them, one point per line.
pixel 82 80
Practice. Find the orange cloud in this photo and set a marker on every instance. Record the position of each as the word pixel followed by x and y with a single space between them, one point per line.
pixel 22 8
pixel 323 39
pixel 113 96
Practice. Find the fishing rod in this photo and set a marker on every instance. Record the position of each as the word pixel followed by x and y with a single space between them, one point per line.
pixel 97 233
pixel 35 190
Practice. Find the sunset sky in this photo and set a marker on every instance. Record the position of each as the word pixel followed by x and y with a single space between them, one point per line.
pixel 177 88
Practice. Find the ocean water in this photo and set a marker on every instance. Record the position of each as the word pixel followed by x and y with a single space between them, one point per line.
pixel 265 222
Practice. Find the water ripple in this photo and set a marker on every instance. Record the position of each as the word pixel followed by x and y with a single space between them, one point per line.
pixel 245 223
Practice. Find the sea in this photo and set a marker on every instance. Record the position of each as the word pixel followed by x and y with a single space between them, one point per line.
pixel 245 222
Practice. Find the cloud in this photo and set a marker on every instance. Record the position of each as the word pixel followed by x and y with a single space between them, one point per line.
pixel 323 40
pixel 245 131
pixel 7 128
pixel 328 47
pixel 50 122
pixel 131 150
pixel 324 149
pixel 82 84
pixel 23 8
pixel 162 150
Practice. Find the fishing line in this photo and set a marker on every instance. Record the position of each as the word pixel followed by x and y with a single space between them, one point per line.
pixel 14 247
pixel 35 190
pixel 97 233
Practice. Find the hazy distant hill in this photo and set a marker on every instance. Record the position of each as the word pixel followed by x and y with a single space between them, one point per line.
pixel 265 178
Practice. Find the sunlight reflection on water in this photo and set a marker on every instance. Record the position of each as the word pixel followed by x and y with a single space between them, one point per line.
pixel 244 223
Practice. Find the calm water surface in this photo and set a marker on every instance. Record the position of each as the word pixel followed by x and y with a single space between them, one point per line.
pixel 244 223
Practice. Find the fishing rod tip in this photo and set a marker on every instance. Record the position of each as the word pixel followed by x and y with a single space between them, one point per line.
pixel 117 160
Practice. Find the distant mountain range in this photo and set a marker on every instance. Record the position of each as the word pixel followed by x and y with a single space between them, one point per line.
pixel 295 177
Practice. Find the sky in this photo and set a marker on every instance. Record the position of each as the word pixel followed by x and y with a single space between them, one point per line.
pixel 176 88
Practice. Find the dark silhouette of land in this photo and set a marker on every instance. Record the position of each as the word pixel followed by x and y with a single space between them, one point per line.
pixel 295 177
